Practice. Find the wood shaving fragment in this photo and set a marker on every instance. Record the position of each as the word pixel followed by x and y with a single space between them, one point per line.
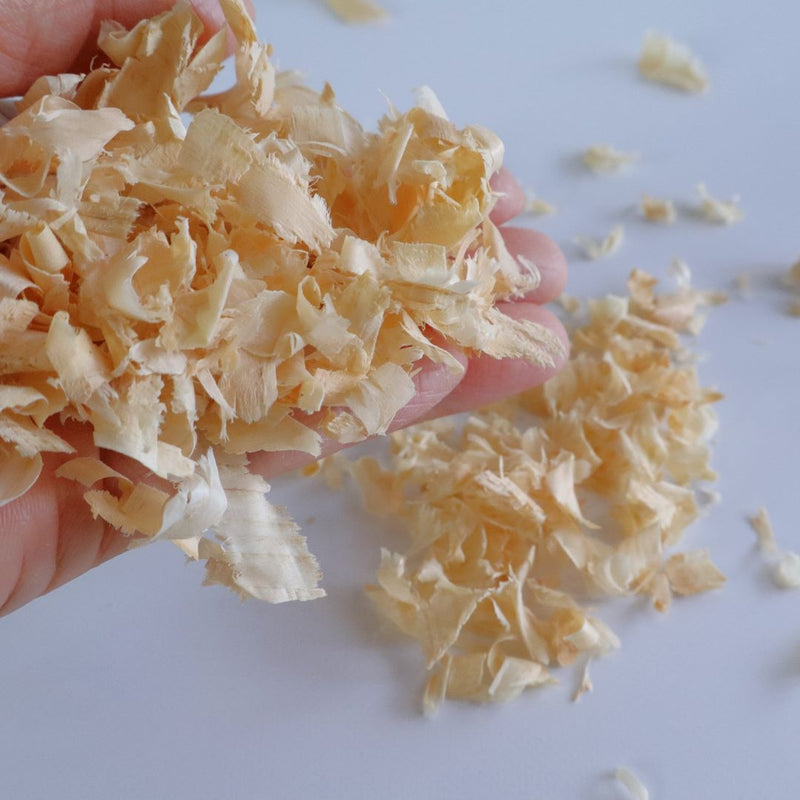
pixel 358 11
pixel 605 158
pixel 585 685
pixel 787 571
pixel 193 276
pixel 760 522
pixel 666 61
pixel 785 564
pixel 504 557
pixel 595 250
pixel 537 206
pixel 634 786
pixel 655 209
pixel 723 212
pixel 570 303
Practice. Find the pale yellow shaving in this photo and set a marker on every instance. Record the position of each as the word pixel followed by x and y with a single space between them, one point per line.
pixel 666 61
pixel 634 786
pixel 603 248
pixel 605 158
pixel 723 212
pixel 536 205
pixel 655 209
pixel 358 11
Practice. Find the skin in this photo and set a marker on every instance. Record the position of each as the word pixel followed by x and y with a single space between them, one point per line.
pixel 48 536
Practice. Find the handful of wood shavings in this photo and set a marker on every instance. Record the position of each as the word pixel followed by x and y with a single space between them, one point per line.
pixel 664 60
pixel 515 528
pixel 655 209
pixel 595 250
pixel 605 158
pixel 259 280
pixel 723 212
pixel 358 11
pixel 785 564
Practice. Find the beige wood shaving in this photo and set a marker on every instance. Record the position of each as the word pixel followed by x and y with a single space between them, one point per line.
pixel 761 524
pixel 605 158
pixel 787 571
pixel 785 565
pixel 358 11
pixel 666 61
pixel 585 685
pixel 655 209
pixel 192 276
pixel 516 528
pixel 723 212
pixel 570 303
pixel 633 785
pixel 537 206
pixel 603 248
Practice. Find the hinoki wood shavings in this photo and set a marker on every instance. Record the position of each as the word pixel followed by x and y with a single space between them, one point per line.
pixel 259 279
pixel 516 528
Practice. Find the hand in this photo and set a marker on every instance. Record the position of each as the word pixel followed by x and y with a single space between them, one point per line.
pixel 48 536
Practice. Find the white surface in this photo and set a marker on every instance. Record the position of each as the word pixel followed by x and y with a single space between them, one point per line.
pixel 135 682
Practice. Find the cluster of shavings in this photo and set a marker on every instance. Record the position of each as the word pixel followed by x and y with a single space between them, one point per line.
pixel 601 158
pixel 597 249
pixel 663 60
pixel 257 281
pixel 357 12
pixel 516 529
pixel 785 565
pixel 657 209
pixel 722 212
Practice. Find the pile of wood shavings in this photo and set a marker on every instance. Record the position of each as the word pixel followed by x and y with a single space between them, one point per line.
pixel 259 280
pixel 515 529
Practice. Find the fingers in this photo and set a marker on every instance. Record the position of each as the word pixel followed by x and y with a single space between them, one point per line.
pixel 545 254
pixel 41 37
pixel 489 379
pixel 511 200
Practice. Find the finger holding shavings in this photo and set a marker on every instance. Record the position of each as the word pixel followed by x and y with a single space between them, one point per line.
pixel 665 61
pixel 636 790
pixel 723 212
pixel 656 209
pixel 536 206
pixel 358 12
pixel 594 249
pixel 600 158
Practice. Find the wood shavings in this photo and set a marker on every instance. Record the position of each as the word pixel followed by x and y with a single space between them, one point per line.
pixel 635 788
pixel 603 248
pixel 723 212
pixel 585 684
pixel 663 60
pixel 192 276
pixel 357 12
pixel 537 206
pixel 655 209
pixel 504 555
pixel 785 565
pixel 605 158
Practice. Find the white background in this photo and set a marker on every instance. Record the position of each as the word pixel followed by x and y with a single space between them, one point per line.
pixel 135 682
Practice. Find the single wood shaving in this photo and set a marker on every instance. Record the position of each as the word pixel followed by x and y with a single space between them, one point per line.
pixel 760 522
pixel 633 785
pixel 787 571
pixel 508 544
pixel 604 248
pixel 723 212
pixel 357 12
pixel 605 158
pixel 570 303
pixel 666 61
pixel 585 685
pixel 537 206
pixel 655 209
pixel 193 276
pixel 785 565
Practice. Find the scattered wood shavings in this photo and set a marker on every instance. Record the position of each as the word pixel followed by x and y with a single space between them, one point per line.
pixel 663 60
pixel 538 507
pixel 603 248
pixel 536 206
pixel 634 786
pixel 358 11
pixel 605 158
pixel 656 209
pixel 785 564
pixel 723 212
pixel 195 277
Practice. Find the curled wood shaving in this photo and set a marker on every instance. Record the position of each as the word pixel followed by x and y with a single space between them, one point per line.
pixel 595 250
pixel 634 786
pixel 199 276
pixel 655 209
pixel 531 510
pixel 605 158
pixel 666 61
pixel 723 212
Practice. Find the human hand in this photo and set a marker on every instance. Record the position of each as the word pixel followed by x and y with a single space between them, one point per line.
pixel 48 536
